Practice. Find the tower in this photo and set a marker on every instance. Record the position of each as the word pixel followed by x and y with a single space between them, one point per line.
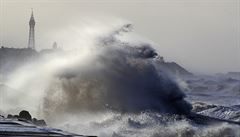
pixel 31 39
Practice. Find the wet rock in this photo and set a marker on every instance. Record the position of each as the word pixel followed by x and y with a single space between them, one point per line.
pixel 10 116
pixel 40 122
pixel 25 115
pixel 15 116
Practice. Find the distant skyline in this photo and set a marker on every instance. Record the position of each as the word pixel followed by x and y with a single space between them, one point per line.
pixel 202 36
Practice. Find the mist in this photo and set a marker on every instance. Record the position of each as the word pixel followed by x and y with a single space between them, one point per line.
pixel 112 74
pixel 201 36
pixel 105 77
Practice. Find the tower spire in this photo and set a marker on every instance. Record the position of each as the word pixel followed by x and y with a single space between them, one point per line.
pixel 31 39
pixel 32 12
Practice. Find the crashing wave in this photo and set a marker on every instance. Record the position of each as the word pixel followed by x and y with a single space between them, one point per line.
pixel 221 112
pixel 120 84
pixel 120 77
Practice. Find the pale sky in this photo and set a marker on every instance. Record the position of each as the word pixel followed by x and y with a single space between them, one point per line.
pixel 201 35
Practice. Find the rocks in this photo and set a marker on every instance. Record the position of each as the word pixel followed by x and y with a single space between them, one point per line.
pixel 25 115
pixel 40 122
pixel 10 116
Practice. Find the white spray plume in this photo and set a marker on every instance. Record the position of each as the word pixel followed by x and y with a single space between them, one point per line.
pixel 98 72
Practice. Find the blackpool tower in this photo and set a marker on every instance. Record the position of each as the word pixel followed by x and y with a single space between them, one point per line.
pixel 31 39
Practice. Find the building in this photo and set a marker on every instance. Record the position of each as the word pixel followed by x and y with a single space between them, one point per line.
pixel 55 46
pixel 31 39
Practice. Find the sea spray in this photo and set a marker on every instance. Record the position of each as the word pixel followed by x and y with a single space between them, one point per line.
pixel 111 88
pixel 111 75
pixel 119 77
pixel 114 80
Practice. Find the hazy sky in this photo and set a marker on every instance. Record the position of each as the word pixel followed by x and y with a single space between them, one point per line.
pixel 201 35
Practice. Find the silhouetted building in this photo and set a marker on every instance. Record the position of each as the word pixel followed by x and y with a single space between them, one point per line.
pixel 55 45
pixel 55 49
pixel 31 39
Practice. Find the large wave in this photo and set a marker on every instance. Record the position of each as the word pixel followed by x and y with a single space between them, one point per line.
pixel 120 77
pixel 112 87
pixel 112 74
pixel 148 124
